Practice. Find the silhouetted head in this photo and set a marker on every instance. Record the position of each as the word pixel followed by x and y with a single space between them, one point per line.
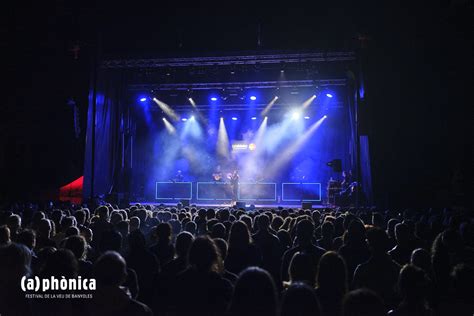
pixel 222 246
pixel 4 235
pixel 72 231
pixel 304 231
pixel 204 255
pixel 103 212
pixel 363 302
pixel 355 233
pixel 28 238
pixel 191 227
pixel 239 236
pixel 44 228
pixel 402 233
pixel 183 243
pixel 77 244
pixel 300 299
pixel 332 273
pixel 254 294
pixel 116 217
pixel 412 283
pixel 80 216
pixel 163 232
pixel 463 281
pixel 218 231
pixel 263 222
pixel 110 269
pixel 302 269
pixel 60 263
pixel 15 261
pixel 134 223
pixel 377 219
pixel 14 223
pixel 421 259
pixel 327 230
pixel 378 240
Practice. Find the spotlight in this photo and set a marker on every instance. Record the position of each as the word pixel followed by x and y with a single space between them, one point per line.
pixel 192 118
pixel 184 119
pixel 325 116
pixel 234 118
pixel 213 99
pixel 329 95
pixel 306 117
pixel 254 118
pixel 296 114
pixel 276 97
pixel 253 98
pixel 142 99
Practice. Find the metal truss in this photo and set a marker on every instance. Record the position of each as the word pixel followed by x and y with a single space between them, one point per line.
pixel 230 60
pixel 237 85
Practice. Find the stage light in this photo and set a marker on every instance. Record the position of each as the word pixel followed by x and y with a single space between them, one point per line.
pixel 213 99
pixel 253 98
pixel 234 118
pixel 167 109
pixel 254 118
pixel 308 102
pixel 192 102
pixel 169 127
pixel 295 114
pixel 269 106
pixel 192 118
pixel 222 140
pixel 284 157
pixel 142 99
pixel 184 119
pixel 306 117
pixel 329 95
pixel 325 116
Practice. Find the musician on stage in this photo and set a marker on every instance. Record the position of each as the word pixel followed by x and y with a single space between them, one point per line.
pixel 347 179
pixel 217 175
pixel 234 183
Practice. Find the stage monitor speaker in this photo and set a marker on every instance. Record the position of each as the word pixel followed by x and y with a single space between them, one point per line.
pixel 306 205
pixel 239 205
pixel 335 164
pixel 185 203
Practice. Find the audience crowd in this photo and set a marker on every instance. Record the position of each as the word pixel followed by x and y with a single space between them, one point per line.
pixel 222 261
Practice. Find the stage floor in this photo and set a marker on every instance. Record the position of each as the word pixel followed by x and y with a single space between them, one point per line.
pixel 221 205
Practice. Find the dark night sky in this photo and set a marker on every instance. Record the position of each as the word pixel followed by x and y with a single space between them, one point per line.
pixel 419 77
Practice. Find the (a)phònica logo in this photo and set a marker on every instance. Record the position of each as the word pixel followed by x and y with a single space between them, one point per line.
pixel 57 284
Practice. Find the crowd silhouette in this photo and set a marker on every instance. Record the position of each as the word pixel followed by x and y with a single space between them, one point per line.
pixel 173 261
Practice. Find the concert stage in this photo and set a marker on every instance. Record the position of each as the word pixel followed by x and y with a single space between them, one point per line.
pixel 259 129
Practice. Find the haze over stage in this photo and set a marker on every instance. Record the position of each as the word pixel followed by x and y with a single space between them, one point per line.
pixel 273 127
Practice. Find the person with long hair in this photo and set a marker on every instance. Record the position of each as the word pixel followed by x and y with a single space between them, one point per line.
pixel 254 294
pixel 202 285
pixel 300 300
pixel 332 283
pixel 242 252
